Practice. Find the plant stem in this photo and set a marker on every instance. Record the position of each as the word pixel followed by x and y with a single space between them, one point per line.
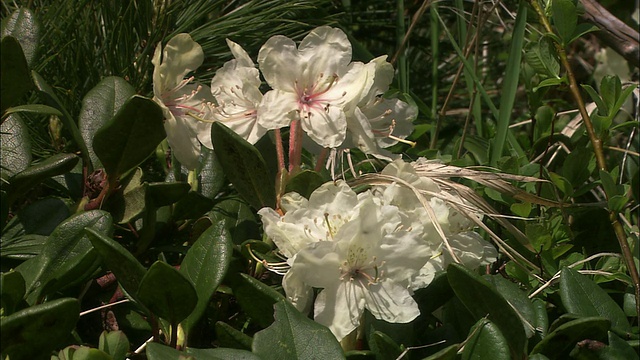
pixel 596 142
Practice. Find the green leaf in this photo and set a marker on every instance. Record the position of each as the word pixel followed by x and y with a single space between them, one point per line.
pixel 23 25
pixel 43 216
pixel 119 260
pixel 255 298
pixel 482 300
pixel 563 184
pixel 485 342
pixel 25 180
pixel 238 217
pixel 550 82
pixel 559 343
pixel 295 336
pixel 583 297
pixel 35 109
pixel 130 199
pixel 205 265
pixel 114 343
pixel 33 332
pixel 12 290
pixel 66 254
pixel 192 206
pixel 99 106
pixel 565 18
pixel 211 174
pixel 129 137
pixel 595 97
pixel 610 87
pixel 518 300
pixel 244 166
pixel 163 193
pixel 222 354
pixel 157 351
pixel 576 167
pixel 48 97
pixel 229 337
pixel 543 59
pixel 15 81
pixel 510 85
pixel 617 349
pixel 83 353
pixel 383 346
pixel 304 183
pixel 16 146
pixel 167 292
pixel 581 30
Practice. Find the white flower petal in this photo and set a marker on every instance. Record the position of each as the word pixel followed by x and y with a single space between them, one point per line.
pixel 279 63
pixel 182 138
pixel 298 293
pixel 240 54
pixel 327 128
pixel 391 302
pixel 277 109
pixel 340 309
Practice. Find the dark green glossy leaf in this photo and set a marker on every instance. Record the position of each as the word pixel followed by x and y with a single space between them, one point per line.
pixel 16 146
pixel 119 260
pixel 518 300
pixel 486 342
pixel 384 346
pixel 565 19
pixel 83 353
pixel 32 332
pixel 100 105
pixel 25 180
pixel 192 206
pixel 577 166
pixel 436 294
pixel 482 300
pixel 583 29
pixel 304 183
pixel 157 351
pixel 559 343
pixel 229 337
pixel 238 217
pixel 14 77
pixel 163 193
pixel 167 292
pixel 222 354
pixel 12 290
pixel 583 297
pixel 205 265
pixel 130 136
pixel 23 25
pixel 211 174
pixel 129 201
pixel 66 254
pixel 114 343
pixel 244 166
pixel 255 298
pixel 617 349
pixel 295 336
pixel 22 247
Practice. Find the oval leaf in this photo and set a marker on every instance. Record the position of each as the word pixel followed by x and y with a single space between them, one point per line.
pixel 479 297
pixel 24 181
pixel 205 265
pixel 100 105
pixel 16 146
pixel 119 260
pixel 244 166
pixel 295 336
pixel 559 343
pixel 114 343
pixel 486 342
pixel 167 293
pixel 583 297
pixel 14 74
pixel 34 331
pixel 23 26
pixel 65 252
pixel 130 136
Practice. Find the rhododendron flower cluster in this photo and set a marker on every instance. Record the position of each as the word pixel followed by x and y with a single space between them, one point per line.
pixel 337 102
pixel 369 250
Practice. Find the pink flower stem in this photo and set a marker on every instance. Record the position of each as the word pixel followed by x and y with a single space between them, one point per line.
pixel 321 159
pixel 279 150
pixel 281 177
pixel 295 146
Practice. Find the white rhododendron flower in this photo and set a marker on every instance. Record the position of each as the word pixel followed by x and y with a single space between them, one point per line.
pixel 315 83
pixel 368 265
pixel 236 90
pixel 182 102
pixel 377 123
pixel 308 221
